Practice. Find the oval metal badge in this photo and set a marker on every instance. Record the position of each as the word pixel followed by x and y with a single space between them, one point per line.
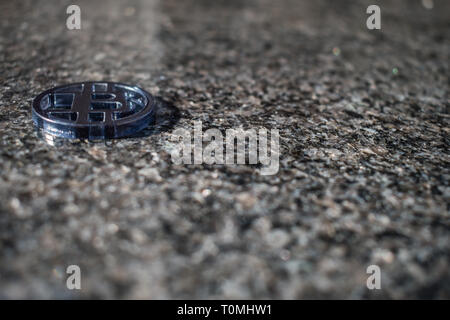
pixel 93 110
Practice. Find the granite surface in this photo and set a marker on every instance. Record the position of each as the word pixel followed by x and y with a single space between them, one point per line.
pixel 364 171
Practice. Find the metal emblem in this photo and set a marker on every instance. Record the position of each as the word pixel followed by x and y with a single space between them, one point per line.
pixel 93 110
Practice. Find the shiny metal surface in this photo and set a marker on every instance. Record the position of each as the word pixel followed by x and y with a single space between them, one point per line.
pixel 93 110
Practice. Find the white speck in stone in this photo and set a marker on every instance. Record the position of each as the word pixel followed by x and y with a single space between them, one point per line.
pixel 150 173
pixel 277 239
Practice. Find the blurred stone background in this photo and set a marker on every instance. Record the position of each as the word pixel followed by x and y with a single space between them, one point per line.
pixel 364 168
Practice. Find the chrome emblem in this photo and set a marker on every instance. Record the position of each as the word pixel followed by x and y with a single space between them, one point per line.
pixel 93 110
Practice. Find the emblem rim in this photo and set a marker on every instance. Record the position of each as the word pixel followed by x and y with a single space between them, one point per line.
pixel 113 128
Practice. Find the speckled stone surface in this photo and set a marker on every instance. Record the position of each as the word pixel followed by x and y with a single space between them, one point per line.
pixel 364 142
